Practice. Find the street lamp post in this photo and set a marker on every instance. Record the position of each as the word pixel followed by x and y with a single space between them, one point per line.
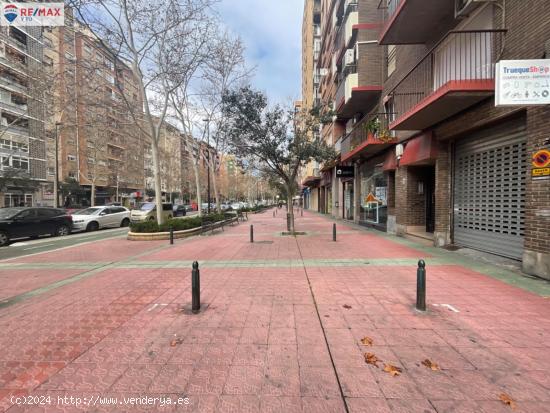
pixel 56 180
pixel 208 160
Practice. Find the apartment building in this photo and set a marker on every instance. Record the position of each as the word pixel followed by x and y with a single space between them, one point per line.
pixel 426 151
pixel 98 143
pixel 22 136
pixel 350 63
pixel 311 76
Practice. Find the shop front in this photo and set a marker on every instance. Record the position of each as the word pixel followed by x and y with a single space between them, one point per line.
pixel 373 198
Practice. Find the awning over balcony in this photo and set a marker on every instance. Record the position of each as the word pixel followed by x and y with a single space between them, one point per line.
pixel 421 150
pixel 415 21
pixel 390 162
pixel 312 181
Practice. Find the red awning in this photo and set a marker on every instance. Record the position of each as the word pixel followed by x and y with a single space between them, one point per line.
pixel 421 150
pixel 390 163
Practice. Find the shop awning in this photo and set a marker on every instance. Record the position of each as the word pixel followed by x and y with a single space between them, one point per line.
pixel 421 150
pixel 390 162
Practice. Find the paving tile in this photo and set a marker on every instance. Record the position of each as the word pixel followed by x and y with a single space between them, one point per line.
pixel 281 380
pixel 318 382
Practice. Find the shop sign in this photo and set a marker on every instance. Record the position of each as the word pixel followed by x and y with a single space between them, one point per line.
pixel 345 172
pixel 522 82
pixel 541 164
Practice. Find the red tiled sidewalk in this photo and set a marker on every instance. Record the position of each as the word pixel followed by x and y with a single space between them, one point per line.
pixel 260 345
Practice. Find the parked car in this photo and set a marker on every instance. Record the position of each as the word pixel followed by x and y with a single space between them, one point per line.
pixel 189 208
pixel 236 206
pixel 179 210
pixel 33 222
pixel 94 218
pixel 148 212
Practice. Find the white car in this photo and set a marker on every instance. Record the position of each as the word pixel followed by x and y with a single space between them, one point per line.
pixel 94 218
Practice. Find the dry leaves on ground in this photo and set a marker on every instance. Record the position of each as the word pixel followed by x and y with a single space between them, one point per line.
pixel 371 358
pixel 366 341
pixel 176 341
pixel 506 399
pixel 431 365
pixel 393 370
pixel 347 306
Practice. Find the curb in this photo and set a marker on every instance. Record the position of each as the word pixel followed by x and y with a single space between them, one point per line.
pixel 162 236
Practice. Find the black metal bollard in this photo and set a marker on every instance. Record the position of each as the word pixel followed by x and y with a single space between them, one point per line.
pixel 421 286
pixel 302 212
pixel 273 214
pixel 334 232
pixel 171 235
pixel 251 233
pixel 195 288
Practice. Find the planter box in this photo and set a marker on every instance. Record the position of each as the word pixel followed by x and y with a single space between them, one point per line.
pixel 161 236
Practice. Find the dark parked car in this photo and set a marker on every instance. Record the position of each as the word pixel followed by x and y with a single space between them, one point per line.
pixel 179 210
pixel 33 222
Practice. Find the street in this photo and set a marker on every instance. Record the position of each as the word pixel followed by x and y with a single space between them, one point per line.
pixel 293 324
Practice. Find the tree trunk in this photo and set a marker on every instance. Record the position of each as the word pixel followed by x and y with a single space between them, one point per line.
pixel 158 185
pixel 198 186
pixel 92 199
pixel 290 210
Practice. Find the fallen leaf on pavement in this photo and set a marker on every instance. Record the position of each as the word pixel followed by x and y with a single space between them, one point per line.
pixel 371 358
pixel 347 306
pixel 175 342
pixel 431 365
pixel 366 341
pixel 506 399
pixel 393 370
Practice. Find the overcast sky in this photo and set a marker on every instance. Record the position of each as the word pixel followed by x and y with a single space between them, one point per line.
pixel 271 31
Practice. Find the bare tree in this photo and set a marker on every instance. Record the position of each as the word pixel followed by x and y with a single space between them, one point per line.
pixel 225 70
pixel 151 36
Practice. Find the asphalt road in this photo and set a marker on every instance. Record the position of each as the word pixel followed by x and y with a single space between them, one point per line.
pixel 27 247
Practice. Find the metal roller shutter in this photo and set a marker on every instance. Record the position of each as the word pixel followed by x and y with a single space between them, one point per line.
pixel 489 189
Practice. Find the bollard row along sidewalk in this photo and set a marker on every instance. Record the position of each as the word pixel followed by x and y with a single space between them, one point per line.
pixel 279 324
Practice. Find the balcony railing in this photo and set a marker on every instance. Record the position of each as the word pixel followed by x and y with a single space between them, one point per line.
pixel 461 59
pixel 373 127
pixel 13 84
pixel 17 109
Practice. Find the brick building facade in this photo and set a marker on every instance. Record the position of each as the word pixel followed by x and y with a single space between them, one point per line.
pixel 433 156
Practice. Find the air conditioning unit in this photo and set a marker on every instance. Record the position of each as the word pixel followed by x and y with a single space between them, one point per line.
pixel 349 58
pixel 464 7
pixel 323 71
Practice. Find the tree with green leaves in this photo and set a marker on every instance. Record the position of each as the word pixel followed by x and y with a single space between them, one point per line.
pixel 277 140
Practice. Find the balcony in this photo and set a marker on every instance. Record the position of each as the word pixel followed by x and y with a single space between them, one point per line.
pixel 13 85
pixel 368 137
pixel 351 97
pixel 456 74
pixel 19 110
pixel 414 21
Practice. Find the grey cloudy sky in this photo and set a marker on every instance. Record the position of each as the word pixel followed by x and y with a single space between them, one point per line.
pixel 271 31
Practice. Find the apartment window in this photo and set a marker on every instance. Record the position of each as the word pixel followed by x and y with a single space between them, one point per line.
pixel 91 161
pixel 51 171
pixel 72 174
pixel 5 161
pixel 48 60
pixel 5 144
pixel 391 59
pixel 20 163
pixel 71 158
